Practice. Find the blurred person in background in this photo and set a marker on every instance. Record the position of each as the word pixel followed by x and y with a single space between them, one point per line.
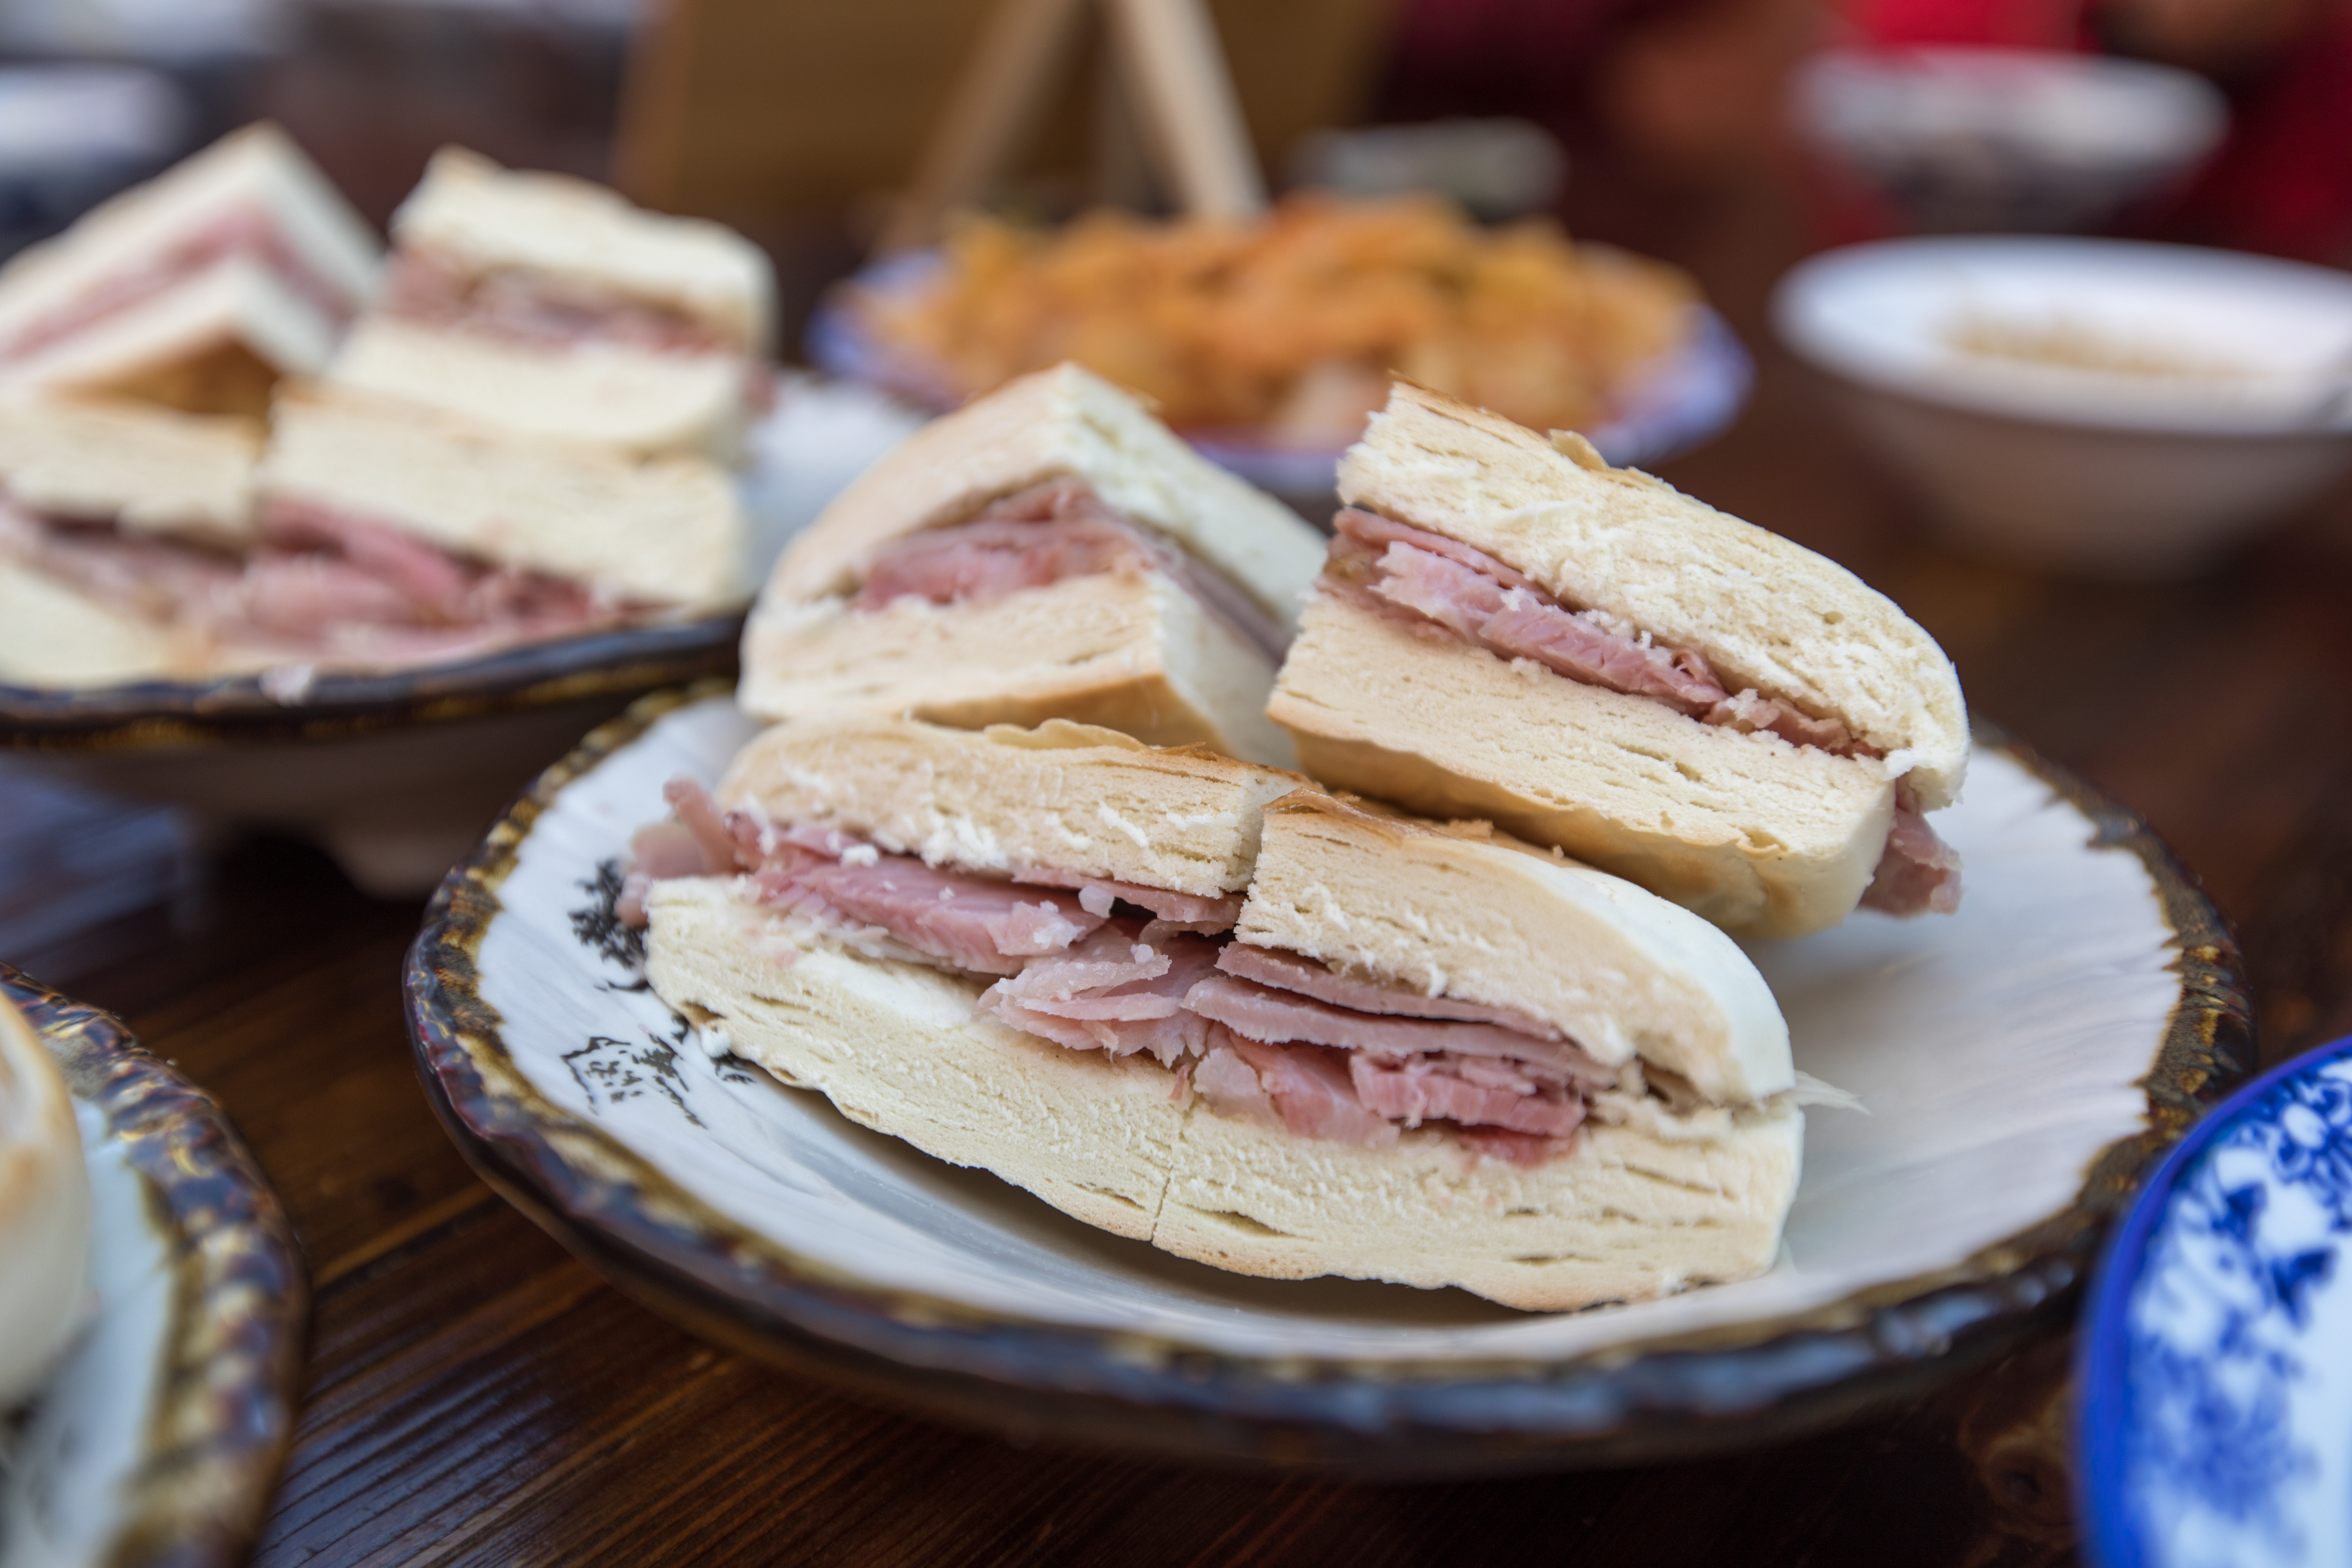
pixel 1690 93
pixel 2282 183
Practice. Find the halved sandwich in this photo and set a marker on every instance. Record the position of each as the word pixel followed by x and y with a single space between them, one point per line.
pixel 551 306
pixel 1201 1003
pixel 139 542
pixel 1049 550
pixel 197 289
pixel 1506 627
pixel 45 1211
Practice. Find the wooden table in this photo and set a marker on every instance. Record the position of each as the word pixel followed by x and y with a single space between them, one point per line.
pixel 477 1396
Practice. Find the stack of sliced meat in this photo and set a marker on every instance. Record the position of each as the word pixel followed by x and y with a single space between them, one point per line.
pixel 1042 536
pixel 1440 586
pixel 1111 967
pixel 317 586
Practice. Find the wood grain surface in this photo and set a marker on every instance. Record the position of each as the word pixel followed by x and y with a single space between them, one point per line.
pixel 477 1397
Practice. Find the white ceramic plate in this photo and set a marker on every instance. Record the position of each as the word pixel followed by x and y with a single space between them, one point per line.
pixel 2002 1053
pixel 156 1441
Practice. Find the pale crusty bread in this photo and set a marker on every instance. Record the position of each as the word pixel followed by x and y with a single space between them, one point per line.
pixel 147 470
pixel 234 309
pixel 1641 1208
pixel 258 169
pixel 1461 912
pixel 1766 612
pixel 1133 652
pixel 1067 796
pixel 1063 421
pixel 1764 838
pixel 45 1210
pixel 53 635
pixel 471 214
pixel 590 392
pixel 665 530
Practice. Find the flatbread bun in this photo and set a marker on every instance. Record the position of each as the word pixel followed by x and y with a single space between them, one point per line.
pixel 1135 653
pixel 1765 612
pixel 144 469
pixel 1457 909
pixel 1065 421
pixel 1762 837
pixel 635 399
pixel 667 531
pixel 481 218
pixel 45 1211
pixel 1639 1209
pixel 1072 797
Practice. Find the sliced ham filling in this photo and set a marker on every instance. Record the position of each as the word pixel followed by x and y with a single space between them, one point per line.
pixel 1093 964
pixel 243 231
pixel 319 587
pixel 530 308
pixel 1440 586
pixel 1040 536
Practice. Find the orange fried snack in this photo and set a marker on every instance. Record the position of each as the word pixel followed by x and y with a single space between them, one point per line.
pixel 1288 328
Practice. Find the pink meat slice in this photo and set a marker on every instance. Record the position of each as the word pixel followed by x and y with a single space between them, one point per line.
pixel 973 922
pixel 1396 567
pixel 422 287
pixel 1112 992
pixel 1311 1091
pixel 320 586
pixel 243 230
pixel 1488 603
pixel 1277 1017
pixel 1293 971
pixel 1472 1091
pixel 1039 537
pixel 1917 873
pixel 1190 911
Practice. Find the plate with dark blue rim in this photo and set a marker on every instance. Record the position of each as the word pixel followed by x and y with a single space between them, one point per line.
pixel 2216 1373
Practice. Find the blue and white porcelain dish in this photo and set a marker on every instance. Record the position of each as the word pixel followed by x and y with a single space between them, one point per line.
pixel 2216 1374
pixel 1685 399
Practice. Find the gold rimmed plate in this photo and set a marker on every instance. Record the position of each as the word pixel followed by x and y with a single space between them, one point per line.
pixel 155 1442
pixel 2022 1063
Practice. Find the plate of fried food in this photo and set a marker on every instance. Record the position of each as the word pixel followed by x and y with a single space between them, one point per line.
pixel 1267 343
pixel 151 1304
pixel 302 536
pixel 1514 984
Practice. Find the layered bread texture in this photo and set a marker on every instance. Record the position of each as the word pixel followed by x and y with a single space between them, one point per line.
pixel 1060 552
pixel 550 306
pixel 141 543
pixel 663 531
pixel 45 1211
pixel 198 289
pixel 1413 1053
pixel 1721 811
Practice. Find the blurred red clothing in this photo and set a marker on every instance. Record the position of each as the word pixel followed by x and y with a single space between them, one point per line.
pixel 2280 182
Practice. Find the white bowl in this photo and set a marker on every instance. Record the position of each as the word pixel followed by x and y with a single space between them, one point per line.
pixel 1976 139
pixel 2242 409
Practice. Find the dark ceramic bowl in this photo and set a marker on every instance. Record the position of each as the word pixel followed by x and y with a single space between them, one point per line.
pixel 394 774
